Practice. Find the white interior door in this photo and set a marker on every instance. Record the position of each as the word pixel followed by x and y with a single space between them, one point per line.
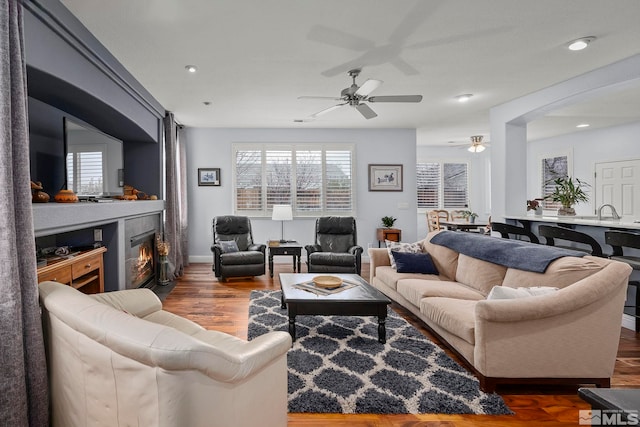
pixel 618 183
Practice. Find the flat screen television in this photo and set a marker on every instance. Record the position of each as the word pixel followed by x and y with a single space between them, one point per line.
pixel 94 161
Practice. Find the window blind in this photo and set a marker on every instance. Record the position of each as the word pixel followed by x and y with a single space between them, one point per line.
pixel 552 168
pixel 428 182
pixel 455 185
pixel 314 179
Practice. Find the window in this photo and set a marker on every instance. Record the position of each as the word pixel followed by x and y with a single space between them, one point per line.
pixel 84 170
pixel 552 168
pixel 313 179
pixel 442 185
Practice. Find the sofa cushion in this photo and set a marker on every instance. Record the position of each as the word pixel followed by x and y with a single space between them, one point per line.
pixel 452 314
pixel 414 290
pixel 560 273
pixel 390 277
pixel 478 274
pixel 503 292
pixel 445 260
pixel 242 258
pixel 407 262
pixel 413 248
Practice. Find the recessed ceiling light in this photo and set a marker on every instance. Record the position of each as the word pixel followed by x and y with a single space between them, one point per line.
pixel 207 103
pixel 464 97
pixel 583 125
pixel 580 43
pixel 191 68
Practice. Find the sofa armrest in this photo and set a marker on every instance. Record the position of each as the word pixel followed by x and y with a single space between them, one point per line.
pixel 572 333
pixel 138 302
pixel 377 257
pixel 235 359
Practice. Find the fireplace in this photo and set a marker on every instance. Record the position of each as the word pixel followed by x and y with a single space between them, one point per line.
pixel 140 263
pixel 141 255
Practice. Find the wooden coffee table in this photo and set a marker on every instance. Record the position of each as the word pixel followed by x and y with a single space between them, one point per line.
pixel 360 300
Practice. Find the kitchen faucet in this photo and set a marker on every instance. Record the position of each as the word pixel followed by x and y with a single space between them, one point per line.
pixel 614 214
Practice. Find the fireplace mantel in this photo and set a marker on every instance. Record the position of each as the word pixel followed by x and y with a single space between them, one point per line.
pixel 54 218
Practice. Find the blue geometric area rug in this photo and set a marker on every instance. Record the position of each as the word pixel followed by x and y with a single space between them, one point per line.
pixel 337 365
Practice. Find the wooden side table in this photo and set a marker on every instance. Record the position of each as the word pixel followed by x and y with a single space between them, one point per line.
pixel 83 271
pixel 392 234
pixel 290 248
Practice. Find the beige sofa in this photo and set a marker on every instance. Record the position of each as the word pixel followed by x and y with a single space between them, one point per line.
pixel 568 336
pixel 118 359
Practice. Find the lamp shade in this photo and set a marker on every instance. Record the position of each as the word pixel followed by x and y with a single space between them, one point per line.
pixel 282 213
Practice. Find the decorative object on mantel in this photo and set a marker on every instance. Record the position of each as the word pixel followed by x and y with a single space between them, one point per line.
pixel 37 195
pixel 66 196
pixel 388 221
pixel 568 192
pixel 534 205
pixel 131 193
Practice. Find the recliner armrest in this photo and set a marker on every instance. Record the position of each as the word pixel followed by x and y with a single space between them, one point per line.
pixel 312 248
pixel 258 247
pixel 356 250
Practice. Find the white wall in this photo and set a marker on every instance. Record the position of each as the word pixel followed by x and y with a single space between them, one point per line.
pixel 585 148
pixel 211 148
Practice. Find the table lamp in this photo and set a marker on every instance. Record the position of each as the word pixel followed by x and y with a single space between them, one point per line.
pixel 282 213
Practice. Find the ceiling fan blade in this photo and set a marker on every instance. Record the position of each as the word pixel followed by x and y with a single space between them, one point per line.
pixel 327 110
pixel 339 38
pixel 396 98
pixel 366 111
pixel 368 87
pixel 333 98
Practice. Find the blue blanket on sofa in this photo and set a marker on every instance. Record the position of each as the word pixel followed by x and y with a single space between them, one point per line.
pixel 510 253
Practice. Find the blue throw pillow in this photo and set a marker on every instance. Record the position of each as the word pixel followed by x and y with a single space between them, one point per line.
pixel 228 246
pixel 407 262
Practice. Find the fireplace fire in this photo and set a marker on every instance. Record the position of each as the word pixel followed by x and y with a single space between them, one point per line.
pixel 141 261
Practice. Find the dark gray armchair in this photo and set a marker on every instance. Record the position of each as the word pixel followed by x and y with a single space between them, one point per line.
pixel 244 258
pixel 335 249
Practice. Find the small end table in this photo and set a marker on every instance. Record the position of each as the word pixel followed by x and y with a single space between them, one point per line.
pixel 391 234
pixel 290 248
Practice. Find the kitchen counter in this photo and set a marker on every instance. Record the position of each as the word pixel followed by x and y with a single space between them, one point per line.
pixel 623 223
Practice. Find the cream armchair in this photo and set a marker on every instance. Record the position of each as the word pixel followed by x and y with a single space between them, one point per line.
pixel 118 359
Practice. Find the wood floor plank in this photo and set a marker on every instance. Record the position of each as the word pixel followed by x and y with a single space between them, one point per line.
pixel 223 306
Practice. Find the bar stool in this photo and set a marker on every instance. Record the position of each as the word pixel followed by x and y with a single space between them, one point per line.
pixel 624 239
pixel 506 230
pixel 551 233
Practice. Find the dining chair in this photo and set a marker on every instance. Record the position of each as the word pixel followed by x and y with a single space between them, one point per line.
pixel 433 219
pixel 619 240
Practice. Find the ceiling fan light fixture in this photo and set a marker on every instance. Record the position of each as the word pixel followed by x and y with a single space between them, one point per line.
pixel 465 97
pixel 476 148
pixel 191 68
pixel 580 43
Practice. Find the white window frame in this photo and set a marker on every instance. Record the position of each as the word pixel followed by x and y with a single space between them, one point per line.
pixel 441 163
pixel 265 210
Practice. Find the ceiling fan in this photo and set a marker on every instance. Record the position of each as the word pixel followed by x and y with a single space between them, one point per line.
pixel 356 96
pixel 477 145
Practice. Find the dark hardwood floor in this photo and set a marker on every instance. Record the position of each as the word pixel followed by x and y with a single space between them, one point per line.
pixel 223 306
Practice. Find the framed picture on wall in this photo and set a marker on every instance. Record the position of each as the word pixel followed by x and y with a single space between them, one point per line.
pixel 209 176
pixel 385 177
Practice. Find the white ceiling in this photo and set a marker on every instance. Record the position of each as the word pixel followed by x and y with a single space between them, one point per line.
pixel 256 57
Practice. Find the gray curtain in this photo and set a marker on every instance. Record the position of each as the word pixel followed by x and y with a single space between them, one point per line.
pixel 23 372
pixel 175 226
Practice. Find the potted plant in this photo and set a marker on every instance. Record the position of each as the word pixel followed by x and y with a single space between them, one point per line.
pixel 470 216
pixel 534 205
pixel 388 221
pixel 568 192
